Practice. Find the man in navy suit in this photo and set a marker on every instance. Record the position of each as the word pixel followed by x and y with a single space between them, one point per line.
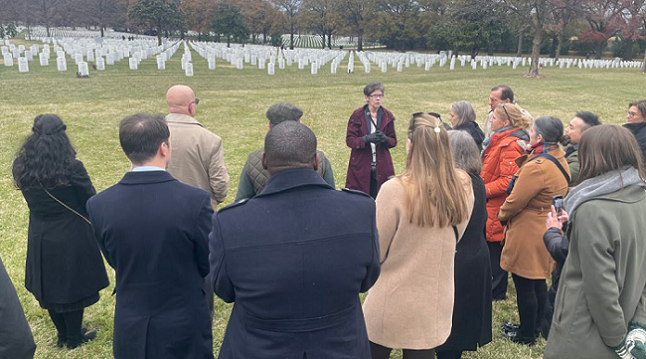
pixel 153 230
pixel 294 259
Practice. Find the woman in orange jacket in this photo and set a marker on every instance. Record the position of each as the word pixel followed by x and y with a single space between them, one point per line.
pixel 509 128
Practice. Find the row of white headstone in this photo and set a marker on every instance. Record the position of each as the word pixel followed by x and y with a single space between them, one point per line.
pixel 104 52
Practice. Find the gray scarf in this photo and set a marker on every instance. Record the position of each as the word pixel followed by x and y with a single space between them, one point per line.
pixel 601 185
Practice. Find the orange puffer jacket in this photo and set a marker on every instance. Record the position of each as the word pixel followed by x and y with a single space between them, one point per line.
pixel 498 166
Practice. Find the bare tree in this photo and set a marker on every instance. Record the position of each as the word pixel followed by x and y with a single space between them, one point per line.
pixel 290 8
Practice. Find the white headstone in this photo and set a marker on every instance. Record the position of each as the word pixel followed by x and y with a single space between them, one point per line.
pixel 281 63
pixel 132 62
pixel 61 64
pixel 366 66
pixel 23 64
pixel 188 69
pixel 452 64
pixel 212 63
pixel 239 64
pixel 161 64
pixel 100 63
pixel 384 66
pixel 109 59
pixel 271 68
pixel 8 59
pixel 44 59
pixel 399 66
pixel 83 68
pixel 261 64
pixel 333 68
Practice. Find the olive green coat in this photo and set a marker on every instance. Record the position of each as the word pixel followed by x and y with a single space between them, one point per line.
pixel 603 283
pixel 573 163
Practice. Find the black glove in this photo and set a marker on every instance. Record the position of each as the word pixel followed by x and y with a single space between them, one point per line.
pixel 382 139
pixel 371 138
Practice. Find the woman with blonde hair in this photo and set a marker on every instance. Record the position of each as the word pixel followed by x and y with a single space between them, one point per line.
pixel 421 214
pixel 509 127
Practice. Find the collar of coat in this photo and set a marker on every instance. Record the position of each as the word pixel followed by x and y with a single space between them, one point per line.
pixel 635 127
pixel 134 178
pixel 181 118
pixel 556 152
pixel 293 178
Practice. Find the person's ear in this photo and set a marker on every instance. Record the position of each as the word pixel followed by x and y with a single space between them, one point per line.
pixel 316 162
pixel 164 149
pixel 539 137
pixel 264 162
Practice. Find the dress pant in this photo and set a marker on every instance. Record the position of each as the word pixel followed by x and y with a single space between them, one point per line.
pixel 500 277
pixel 531 299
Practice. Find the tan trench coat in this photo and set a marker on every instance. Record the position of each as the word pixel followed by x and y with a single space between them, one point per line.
pixel 197 157
pixel 525 211
pixel 411 305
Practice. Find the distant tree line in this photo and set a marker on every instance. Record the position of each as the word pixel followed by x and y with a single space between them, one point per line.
pixel 463 26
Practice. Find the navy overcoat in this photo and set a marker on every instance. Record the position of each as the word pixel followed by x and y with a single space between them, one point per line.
pixel 153 231
pixel 294 259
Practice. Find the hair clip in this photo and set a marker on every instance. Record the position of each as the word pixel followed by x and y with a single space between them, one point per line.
pixel 437 129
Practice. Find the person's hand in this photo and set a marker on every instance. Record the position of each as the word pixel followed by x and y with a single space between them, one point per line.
pixel 552 220
pixel 635 341
pixel 371 138
pixel 382 139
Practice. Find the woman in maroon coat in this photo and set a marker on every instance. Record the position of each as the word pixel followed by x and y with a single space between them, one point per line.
pixel 371 132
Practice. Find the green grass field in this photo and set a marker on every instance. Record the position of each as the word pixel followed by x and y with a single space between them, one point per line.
pixel 232 104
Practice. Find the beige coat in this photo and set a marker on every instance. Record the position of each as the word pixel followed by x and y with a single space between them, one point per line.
pixel 411 305
pixel 525 211
pixel 197 157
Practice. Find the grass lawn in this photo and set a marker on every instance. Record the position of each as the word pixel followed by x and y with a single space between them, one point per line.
pixel 232 104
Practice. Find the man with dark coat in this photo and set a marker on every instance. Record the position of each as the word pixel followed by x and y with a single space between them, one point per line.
pixel 295 274
pixel 16 340
pixel 370 134
pixel 153 230
pixel 253 177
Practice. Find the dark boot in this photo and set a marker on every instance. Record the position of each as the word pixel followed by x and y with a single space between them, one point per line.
pixel 61 329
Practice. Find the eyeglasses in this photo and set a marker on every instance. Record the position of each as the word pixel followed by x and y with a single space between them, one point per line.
pixel 377 96
pixel 506 113
pixel 632 114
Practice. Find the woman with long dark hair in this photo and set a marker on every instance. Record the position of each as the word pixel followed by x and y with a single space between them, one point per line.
pixel 421 214
pixel 65 270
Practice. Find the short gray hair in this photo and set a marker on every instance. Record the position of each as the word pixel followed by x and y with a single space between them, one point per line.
pixel 465 152
pixel 465 113
pixel 372 87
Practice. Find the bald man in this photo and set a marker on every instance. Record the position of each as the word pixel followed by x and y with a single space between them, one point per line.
pixel 197 156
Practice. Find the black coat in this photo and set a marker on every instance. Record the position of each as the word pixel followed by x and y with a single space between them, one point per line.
pixel 639 130
pixel 64 264
pixel 153 231
pixel 16 340
pixel 474 130
pixel 294 259
pixel 471 326
pixel 558 246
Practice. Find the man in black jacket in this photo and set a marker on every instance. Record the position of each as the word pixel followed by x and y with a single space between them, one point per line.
pixel 153 230
pixel 294 259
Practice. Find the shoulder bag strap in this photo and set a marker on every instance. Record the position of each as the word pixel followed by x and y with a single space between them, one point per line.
pixel 66 206
pixel 556 162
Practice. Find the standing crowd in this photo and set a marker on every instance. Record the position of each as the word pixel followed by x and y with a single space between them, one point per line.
pixel 433 246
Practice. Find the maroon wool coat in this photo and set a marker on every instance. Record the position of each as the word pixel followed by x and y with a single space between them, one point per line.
pixel 361 156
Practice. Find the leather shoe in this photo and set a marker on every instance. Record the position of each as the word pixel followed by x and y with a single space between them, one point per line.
pixel 84 338
pixel 509 327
